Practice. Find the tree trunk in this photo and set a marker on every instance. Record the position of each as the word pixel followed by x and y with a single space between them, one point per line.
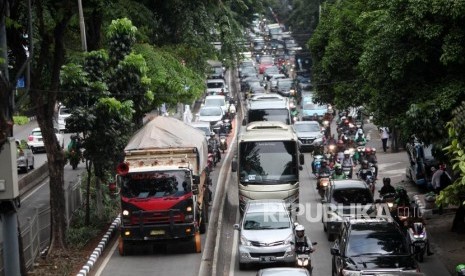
pixel 98 198
pixel 458 225
pixel 89 178
pixel 394 140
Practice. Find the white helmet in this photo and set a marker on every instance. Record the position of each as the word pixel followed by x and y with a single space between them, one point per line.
pixel 299 230
pixel 360 131
pixel 343 118
pixel 346 152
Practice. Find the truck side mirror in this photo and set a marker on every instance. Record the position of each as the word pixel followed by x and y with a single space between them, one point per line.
pixel 234 165
pixel 195 189
pixel 301 159
pixel 335 251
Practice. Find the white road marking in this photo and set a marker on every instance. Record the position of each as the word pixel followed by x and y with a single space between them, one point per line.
pixel 232 263
pixel 103 265
pixel 34 191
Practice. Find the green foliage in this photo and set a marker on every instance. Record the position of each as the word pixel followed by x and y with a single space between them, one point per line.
pixel 20 120
pixel 121 37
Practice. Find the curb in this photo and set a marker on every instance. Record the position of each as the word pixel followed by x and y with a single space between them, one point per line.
pixel 100 248
pixel 426 213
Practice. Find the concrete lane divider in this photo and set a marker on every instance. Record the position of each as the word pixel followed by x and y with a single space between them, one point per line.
pixel 32 179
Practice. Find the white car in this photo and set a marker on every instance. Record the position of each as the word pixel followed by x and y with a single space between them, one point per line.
pixel 36 143
pixel 211 114
pixel 24 157
pixel 217 100
pixel 62 115
pixel 214 87
pixel 274 81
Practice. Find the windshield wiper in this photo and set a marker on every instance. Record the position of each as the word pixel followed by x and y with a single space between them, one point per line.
pixel 366 254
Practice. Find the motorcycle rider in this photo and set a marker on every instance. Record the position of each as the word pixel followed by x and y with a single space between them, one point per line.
pixel 301 241
pixel 347 161
pixel 338 173
pixel 360 137
pixel 370 156
pixel 416 224
pixel 324 170
pixel 214 144
pixel 387 187
pixel 364 171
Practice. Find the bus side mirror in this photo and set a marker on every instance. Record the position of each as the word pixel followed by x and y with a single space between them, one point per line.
pixel 301 159
pixel 234 165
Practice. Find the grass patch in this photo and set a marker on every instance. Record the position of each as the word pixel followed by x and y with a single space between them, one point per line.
pixel 20 120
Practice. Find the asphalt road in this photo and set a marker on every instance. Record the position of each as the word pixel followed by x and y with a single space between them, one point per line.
pixel 390 165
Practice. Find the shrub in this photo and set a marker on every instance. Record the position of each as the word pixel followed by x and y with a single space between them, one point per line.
pixel 20 120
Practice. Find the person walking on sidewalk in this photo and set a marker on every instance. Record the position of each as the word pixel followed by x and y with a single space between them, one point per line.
pixel 384 131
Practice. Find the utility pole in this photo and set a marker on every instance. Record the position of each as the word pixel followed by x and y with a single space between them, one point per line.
pixel 82 26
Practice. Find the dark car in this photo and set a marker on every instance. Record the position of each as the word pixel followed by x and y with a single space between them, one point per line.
pixel 284 87
pixel 309 134
pixel 341 202
pixel 371 247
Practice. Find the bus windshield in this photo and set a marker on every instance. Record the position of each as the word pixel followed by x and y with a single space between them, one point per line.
pixel 142 185
pixel 279 115
pixel 268 162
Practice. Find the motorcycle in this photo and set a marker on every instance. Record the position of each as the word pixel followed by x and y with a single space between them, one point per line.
pixel 223 143
pixel 303 257
pixel 74 152
pixel 316 164
pixel 347 170
pixel 323 183
pixel 418 239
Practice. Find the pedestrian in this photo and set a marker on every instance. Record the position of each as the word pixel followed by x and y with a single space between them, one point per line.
pixel 440 180
pixel 384 131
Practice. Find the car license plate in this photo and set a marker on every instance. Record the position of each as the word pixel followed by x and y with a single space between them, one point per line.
pixel 267 259
pixel 157 232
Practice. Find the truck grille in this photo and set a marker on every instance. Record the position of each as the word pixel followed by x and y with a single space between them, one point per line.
pixel 157 217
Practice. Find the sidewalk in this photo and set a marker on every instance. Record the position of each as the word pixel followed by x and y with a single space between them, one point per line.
pixel 447 246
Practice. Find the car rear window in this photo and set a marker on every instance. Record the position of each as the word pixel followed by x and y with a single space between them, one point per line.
pixel 376 243
pixel 352 196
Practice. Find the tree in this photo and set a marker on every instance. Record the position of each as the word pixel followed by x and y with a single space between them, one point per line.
pixel 455 193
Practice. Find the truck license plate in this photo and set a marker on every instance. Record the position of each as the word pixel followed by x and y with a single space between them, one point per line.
pixel 157 232
pixel 268 259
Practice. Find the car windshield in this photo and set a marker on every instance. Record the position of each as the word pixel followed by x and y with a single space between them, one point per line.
pixel 266 60
pixel 307 127
pixel 266 221
pixel 285 83
pixel 268 162
pixel 210 112
pixel 352 196
pixel 36 133
pixel 214 102
pixel 64 111
pixel 280 115
pixel 247 64
pixel 143 185
pixel 376 243
pixel 312 106
pixel 215 85
pixel 217 70
pixel 272 69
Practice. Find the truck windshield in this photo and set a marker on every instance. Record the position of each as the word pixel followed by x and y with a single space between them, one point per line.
pixel 270 162
pixel 280 115
pixel 154 184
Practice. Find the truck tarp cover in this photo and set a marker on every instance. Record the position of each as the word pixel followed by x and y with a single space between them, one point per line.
pixel 165 133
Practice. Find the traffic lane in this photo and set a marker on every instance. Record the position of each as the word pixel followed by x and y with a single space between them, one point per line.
pixel 174 259
pixel 310 200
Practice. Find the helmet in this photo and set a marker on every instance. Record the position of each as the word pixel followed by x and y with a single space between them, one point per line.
pixel 300 230
pixel 340 142
pixel 387 180
pixel 343 118
pixel 346 152
pixel 368 150
pixel 360 131
pixel 460 269
pixel 212 134
pixel 365 164
pixel 338 169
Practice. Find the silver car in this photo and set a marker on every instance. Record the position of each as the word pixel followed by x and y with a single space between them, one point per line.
pixel 24 157
pixel 266 234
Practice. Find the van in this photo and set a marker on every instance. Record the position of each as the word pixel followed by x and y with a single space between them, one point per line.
pixel 62 114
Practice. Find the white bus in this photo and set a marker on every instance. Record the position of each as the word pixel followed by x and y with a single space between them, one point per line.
pixel 268 163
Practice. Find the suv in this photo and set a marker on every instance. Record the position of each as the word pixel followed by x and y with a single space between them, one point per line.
pixel 266 233
pixel 342 200
pixel 371 247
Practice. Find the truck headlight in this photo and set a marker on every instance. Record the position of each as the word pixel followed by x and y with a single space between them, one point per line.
pixel 125 213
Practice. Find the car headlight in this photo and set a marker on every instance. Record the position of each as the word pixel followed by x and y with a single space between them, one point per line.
pixel 289 239
pixel 244 241
pixel 350 273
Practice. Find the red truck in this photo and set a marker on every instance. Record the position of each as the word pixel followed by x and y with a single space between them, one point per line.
pixel 163 185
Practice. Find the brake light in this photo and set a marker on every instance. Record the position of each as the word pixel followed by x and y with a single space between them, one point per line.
pixel 30 138
pixel 122 169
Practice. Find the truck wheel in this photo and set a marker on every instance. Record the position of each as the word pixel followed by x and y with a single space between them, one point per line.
pixel 196 243
pixel 331 237
pixel 122 247
pixel 204 220
pixel 243 266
